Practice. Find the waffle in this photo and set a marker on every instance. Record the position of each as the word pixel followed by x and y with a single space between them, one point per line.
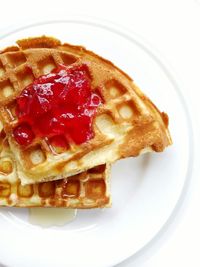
pixel 127 124
pixel 89 189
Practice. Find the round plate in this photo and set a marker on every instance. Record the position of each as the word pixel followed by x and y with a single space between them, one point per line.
pixel 145 190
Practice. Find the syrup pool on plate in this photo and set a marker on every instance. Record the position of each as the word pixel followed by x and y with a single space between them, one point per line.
pixel 47 217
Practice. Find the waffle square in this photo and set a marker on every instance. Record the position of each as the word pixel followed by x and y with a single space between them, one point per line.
pixel 89 189
pixel 127 124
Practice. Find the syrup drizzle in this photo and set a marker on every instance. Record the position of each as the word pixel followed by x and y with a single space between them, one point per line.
pixel 46 217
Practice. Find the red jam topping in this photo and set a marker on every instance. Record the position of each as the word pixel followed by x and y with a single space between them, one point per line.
pixel 23 134
pixel 59 105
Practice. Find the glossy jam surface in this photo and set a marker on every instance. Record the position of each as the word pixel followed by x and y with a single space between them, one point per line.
pixel 59 105
pixel 23 134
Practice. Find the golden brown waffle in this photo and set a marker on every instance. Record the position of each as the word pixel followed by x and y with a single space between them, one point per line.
pixel 127 124
pixel 89 189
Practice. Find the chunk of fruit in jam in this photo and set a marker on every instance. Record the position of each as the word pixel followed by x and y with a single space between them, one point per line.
pixel 60 103
pixel 23 134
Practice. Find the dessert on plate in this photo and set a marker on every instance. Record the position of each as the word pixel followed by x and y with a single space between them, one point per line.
pixel 66 115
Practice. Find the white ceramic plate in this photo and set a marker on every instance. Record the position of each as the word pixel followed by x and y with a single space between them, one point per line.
pixel 145 190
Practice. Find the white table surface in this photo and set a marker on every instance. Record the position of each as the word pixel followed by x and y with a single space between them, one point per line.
pixel 173 28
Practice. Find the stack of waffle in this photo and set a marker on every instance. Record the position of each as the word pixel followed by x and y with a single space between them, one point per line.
pixel 40 174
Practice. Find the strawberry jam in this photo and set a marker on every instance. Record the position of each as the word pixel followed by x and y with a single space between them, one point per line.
pixel 60 105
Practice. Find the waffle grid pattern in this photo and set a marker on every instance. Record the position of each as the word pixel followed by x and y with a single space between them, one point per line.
pixel 124 108
pixel 85 190
pixel 89 189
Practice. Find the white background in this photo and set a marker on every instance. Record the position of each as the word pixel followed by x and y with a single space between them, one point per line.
pixel 173 28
